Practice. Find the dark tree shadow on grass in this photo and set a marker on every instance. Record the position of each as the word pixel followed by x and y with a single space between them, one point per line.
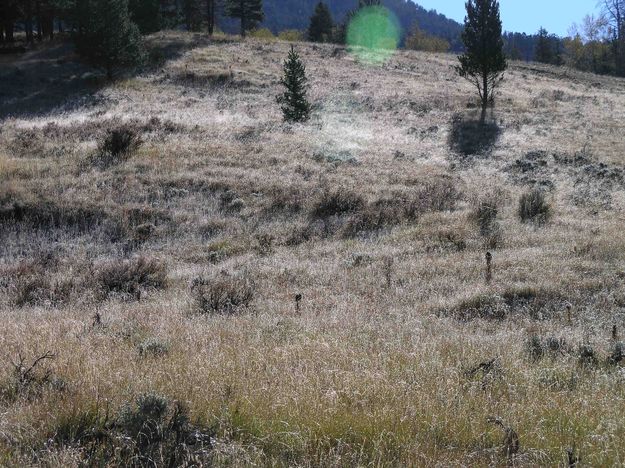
pixel 468 136
pixel 51 78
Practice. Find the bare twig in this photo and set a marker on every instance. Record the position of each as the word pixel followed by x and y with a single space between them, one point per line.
pixel 25 374
pixel 511 442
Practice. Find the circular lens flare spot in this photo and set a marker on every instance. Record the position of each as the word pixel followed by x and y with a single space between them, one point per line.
pixel 373 34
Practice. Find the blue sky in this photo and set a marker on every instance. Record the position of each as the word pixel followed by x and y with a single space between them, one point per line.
pixel 524 15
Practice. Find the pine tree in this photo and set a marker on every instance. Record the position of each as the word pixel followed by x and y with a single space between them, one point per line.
pixel 483 62
pixel 250 12
pixel 211 15
pixel 107 37
pixel 544 52
pixel 295 106
pixel 320 29
pixel 146 14
pixel 193 15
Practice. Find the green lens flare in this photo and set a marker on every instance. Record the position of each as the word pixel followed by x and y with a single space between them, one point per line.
pixel 373 34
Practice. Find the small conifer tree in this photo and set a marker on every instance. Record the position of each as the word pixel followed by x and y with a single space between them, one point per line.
pixel 250 12
pixel 295 106
pixel 320 29
pixel 544 51
pixel 107 37
pixel 146 14
pixel 483 61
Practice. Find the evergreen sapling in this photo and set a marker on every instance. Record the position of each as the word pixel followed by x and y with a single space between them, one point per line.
pixel 295 106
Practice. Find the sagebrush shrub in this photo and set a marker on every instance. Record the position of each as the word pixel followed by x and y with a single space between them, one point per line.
pixel 617 354
pixel 222 293
pixel 41 290
pixel 150 431
pixel 439 194
pixel 535 348
pixel 153 347
pixel 533 207
pixel 486 216
pixel 129 277
pixel 374 216
pixel 118 145
pixel 27 143
pixel 587 356
pixel 34 212
pixel 337 202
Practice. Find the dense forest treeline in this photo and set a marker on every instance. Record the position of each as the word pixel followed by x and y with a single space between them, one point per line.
pixel 596 45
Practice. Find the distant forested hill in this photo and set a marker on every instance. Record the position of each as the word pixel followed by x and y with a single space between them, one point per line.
pixel 295 14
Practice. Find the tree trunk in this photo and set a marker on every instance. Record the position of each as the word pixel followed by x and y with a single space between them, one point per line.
pixel 484 98
pixel 28 26
pixel 8 31
pixel 39 19
pixel 243 14
pixel 47 24
pixel 210 16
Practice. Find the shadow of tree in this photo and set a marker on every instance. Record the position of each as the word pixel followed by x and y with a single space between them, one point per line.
pixel 38 81
pixel 469 136
pixel 51 78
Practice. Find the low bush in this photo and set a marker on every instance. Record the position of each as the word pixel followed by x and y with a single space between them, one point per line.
pixel 485 215
pixel 263 33
pixel 437 194
pixel 535 348
pixel 30 378
pixel 337 202
pixel 382 213
pixel 222 293
pixel 587 357
pixel 346 212
pixel 130 277
pixel 153 347
pixel 27 143
pixel 617 354
pixel 42 290
pixel 33 212
pixel 117 146
pixel 36 281
pixel 533 207
pixel 151 431
pixel 291 35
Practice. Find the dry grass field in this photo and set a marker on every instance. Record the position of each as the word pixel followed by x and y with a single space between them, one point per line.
pixel 163 280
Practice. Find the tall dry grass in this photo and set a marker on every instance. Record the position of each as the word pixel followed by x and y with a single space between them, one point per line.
pixel 381 362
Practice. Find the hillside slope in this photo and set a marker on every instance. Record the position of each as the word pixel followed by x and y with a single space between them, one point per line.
pixel 165 281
